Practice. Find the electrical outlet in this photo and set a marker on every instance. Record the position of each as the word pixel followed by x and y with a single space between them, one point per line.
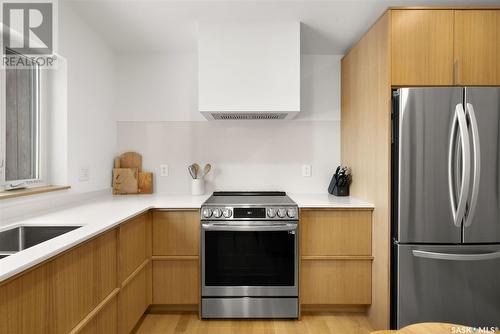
pixel 306 170
pixel 84 174
pixel 163 170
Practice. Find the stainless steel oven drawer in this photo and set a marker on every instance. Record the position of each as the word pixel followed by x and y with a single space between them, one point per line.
pixel 249 307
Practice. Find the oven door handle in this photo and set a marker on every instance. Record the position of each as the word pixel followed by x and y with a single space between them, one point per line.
pixel 235 227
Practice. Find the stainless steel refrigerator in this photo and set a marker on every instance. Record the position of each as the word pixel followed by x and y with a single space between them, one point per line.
pixel 446 206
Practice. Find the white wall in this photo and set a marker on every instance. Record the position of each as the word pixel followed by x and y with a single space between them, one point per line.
pixel 245 155
pixel 158 117
pixel 164 87
pixel 157 87
pixel 91 80
pixel 82 95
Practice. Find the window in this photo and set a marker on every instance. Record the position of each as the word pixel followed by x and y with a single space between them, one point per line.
pixel 21 127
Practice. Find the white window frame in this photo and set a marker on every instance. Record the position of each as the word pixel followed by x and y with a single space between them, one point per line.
pixel 41 154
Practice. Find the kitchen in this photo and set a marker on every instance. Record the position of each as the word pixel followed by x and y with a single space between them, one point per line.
pixel 273 96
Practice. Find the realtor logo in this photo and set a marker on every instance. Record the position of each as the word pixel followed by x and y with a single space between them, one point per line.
pixel 28 33
pixel 33 22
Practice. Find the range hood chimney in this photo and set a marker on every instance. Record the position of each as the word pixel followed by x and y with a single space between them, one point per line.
pixel 249 71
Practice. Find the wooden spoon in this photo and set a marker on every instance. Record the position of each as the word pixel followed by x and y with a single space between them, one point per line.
pixel 206 169
pixel 196 168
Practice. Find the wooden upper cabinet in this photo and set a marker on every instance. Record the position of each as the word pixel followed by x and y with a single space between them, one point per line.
pixel 498 48
pixel 477 47
pixel 422 47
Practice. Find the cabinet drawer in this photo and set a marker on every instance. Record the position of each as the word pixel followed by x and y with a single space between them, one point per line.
pixel 132 245
pixel 105 321
pixel 24 303
pixel 132 301
pixel 176 232
pixel 335 232
pixel 176 282
pixel 337 282
pixel 58 294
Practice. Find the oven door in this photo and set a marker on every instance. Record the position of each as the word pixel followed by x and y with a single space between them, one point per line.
pixel 254 259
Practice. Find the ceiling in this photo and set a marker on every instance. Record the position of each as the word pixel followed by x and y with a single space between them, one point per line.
pixel 328 27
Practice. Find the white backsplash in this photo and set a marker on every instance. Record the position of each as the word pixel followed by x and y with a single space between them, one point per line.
pixel 245 155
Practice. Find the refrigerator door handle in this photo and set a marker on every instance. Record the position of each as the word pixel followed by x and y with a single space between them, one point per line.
pixel 471 116
pixel 458 209
pixel 456 257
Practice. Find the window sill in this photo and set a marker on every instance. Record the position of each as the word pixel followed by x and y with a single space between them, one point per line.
pixel 30 191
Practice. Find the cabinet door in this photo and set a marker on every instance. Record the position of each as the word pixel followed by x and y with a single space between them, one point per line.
pixel 476 47
pixel 336 282
pixel 176 282
pixel 24 303
pixel 176 233
pixel 422 47
pixel 335 232
pixel 132 245
pixel 132 301
pixel 105 321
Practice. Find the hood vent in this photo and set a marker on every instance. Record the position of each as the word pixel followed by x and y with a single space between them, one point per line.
pixel 249 70
pixel 253 116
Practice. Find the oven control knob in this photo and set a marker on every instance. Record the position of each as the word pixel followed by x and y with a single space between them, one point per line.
pixel 271 213
pixel 291 213
pixel 207 212
pixel 282 213
pixel 217 213
pixel 227 213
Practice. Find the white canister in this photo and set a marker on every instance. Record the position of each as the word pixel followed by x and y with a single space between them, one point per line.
pixel 197 186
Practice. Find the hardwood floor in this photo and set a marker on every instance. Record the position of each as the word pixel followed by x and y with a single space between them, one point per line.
pixel 347 323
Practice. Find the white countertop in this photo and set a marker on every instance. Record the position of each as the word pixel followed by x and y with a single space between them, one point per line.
pixel 328 201
pixel 107 211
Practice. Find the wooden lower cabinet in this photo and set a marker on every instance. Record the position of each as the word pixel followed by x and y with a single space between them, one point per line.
pixel 176 282
pixel 24 304
pixel 134 254
pixel 132 301
pixel 175 259
pixel 106 284
pixel 336 261
pixel 176 232
pixel 336 282
pixel 132 249
pixel 72 278
pixel 336 232
pixel 57 295
pixel 105 321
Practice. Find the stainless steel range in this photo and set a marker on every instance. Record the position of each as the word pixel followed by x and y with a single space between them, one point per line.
pixel 249 255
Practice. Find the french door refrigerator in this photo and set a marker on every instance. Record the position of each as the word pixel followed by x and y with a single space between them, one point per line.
pixel 445 252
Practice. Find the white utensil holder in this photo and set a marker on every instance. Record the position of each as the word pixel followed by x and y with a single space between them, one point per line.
pixel 197 187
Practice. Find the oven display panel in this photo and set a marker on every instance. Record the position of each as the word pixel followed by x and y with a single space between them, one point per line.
pixel 257 213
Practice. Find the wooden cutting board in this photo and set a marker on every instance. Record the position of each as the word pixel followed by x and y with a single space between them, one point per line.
pixel 125 181
pixel 145 183
pixel 131 160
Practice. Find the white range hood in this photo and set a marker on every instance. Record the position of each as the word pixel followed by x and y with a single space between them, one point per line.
pixel 249 70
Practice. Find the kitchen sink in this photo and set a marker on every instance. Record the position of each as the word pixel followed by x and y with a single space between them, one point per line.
pixel 22 237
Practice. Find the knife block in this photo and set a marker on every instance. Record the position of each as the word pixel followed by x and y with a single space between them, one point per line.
pixel 340 191
pixel 337 190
